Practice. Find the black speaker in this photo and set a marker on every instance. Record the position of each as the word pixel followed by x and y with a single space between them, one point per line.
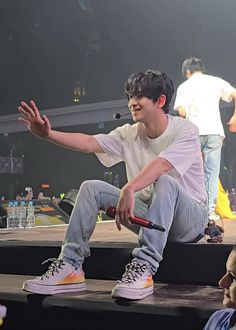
pixel 68 202
pixel 3 217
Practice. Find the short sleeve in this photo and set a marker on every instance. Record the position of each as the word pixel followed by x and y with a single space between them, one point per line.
pixel 112 145
pixel 185 146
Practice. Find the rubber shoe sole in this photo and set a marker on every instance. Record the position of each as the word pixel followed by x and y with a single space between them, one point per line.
pixel 53 289
pixel 131 294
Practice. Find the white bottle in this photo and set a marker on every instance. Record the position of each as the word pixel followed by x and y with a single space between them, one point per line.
pixel 30 215
pixel 10 215
pixel 23 214
pixel 17 215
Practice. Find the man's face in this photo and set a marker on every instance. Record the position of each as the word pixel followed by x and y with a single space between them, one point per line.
pixel 228 281
pixel 142 108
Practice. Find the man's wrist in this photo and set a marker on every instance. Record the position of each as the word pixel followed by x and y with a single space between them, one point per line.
pixel 128 187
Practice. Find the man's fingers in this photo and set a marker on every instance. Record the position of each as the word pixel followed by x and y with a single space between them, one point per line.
pixel 24 121
pixel 118 225
pixel 31 110
pixel 24 113
pixel 46 121
pixel 26 108
pixel 34 107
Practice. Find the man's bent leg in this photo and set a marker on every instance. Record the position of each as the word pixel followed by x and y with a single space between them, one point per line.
pixel 65 274
pixel 181 216
pixel 93 195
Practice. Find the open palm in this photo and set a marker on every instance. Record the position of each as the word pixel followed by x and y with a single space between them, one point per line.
pixel 37 124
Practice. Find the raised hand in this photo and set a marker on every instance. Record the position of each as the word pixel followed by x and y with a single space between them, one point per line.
pixel 37 124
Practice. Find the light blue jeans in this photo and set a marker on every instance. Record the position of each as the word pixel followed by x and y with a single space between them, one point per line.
pixel 169 206
pixel 211 150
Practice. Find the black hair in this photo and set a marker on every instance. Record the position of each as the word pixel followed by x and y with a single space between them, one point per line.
pixel 192 64
pixel 151 84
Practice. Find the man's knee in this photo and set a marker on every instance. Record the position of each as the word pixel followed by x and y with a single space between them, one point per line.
pixel 166 180
pixel 166 185
pixel 89 186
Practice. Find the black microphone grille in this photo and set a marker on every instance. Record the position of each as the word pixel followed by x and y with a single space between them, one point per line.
pixel 119 115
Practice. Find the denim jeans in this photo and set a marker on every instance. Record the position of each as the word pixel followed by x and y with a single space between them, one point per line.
pixel 169 206
pixel 211 150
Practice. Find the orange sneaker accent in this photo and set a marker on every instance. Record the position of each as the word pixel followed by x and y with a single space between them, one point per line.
pixel 72 278
pixel 148 282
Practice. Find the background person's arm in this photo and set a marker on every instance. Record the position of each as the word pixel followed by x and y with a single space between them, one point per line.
pixel 232 121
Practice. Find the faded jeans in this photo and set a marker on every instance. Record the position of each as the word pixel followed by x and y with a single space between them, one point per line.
pixel 169 206
pixel 211 150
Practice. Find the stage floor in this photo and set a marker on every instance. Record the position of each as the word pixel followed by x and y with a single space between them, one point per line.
pixel 105 231
pixel 181 286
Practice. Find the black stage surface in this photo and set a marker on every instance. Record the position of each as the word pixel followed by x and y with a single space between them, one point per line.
pixel 186 290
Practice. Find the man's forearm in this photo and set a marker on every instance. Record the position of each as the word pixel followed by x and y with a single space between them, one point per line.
pixel 75 141
pixel 149 174
pixel 234 98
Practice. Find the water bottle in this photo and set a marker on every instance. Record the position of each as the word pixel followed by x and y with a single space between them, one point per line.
pixel 30 215
pixel 22 212
pixel 17 222
pixel 10 215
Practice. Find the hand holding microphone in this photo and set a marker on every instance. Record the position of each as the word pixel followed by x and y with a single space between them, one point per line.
pixel 111 212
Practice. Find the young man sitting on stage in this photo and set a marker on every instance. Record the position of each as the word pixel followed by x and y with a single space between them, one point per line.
pixel 165 185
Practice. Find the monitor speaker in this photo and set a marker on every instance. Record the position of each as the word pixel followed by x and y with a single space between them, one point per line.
pixel 68 202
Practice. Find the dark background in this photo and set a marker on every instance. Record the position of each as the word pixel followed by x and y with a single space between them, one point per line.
pixel 50 47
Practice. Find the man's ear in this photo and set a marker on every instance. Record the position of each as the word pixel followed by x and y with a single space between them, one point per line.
pixel 161 101
pixel 188 74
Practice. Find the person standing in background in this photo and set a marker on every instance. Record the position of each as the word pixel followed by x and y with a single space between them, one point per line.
pixel 197 99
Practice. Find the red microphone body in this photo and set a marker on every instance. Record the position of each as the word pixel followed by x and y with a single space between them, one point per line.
pixel 111 212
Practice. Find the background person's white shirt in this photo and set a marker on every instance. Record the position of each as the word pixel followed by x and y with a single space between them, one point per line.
pixel 200 95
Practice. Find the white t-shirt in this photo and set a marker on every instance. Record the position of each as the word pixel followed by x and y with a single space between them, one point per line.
pixel 179 144
pixel 200 95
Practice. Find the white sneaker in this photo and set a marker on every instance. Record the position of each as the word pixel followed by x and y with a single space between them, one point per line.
pixel 136 282
pixel 60 277
pixel 214 216
pixel 3 313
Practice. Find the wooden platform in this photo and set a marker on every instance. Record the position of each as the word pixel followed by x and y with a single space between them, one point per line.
pixel 105 231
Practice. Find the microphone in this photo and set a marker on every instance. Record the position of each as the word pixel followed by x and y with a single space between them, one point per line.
pixel 118 115
pixel 111 212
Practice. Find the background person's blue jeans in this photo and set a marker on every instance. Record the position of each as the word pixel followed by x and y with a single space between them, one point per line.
pixel 211 150
pixel 170 206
